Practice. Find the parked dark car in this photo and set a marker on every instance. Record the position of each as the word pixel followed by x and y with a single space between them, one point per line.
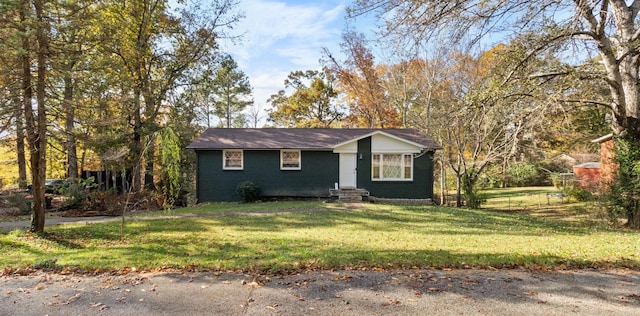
pixel 52 186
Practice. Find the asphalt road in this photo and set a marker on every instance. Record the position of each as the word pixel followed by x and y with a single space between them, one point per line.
pixel 345 292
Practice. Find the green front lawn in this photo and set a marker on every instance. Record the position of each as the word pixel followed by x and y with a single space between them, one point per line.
pixel 276 236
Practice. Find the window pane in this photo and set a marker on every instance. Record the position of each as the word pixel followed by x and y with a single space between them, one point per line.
pixel 392 166
pixel 233 159
pixel 408 164
pixel 290 159
pixel 376 167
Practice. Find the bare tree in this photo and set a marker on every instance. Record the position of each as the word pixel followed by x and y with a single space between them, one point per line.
pixel 608 28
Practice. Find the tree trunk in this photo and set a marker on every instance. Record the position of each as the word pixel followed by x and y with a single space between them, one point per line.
pixel 136 146
pixel 228 116
pixel 443 184
pixel 458 189
pixel 150 157
pixel 72 155
pixel 37 126
pixel 20 145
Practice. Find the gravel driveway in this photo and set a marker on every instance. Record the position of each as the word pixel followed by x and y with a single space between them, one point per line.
pixel 345 292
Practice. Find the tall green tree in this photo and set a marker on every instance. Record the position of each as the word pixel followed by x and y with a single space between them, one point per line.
pixel 33 19
pixel 153 48
pixel 170 165
pixel 233 92
pixel 12 36
pixel 310 102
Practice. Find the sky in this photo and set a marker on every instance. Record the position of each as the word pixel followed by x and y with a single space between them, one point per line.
pixel 285 36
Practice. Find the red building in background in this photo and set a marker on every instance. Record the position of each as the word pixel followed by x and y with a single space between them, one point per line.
pixel 595 176
pixel 608 165
pixel 587 175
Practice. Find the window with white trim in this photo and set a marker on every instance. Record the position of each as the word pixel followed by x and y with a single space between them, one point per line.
pixel 232 159
pixel 290 160
pixel 397 167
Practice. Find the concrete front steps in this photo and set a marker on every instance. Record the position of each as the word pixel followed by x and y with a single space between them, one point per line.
pixel 349 194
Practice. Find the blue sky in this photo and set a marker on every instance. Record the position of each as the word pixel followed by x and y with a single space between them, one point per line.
pixel 285 36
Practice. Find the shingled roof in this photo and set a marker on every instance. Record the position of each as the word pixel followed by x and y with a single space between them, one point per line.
pixel 297 138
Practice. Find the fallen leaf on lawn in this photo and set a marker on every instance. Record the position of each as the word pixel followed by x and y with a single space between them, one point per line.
pixel 392 302
pixel 73 298
pixel 39 287
pixel 9 292
pixel 96 304
pixel 532 293
pixel 273 307
pixel 25 291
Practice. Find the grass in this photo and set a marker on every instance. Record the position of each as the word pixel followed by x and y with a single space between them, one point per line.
pixel 281 236
pixel 545 202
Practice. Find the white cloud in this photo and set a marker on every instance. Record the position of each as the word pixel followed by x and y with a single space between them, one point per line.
pixel 284 36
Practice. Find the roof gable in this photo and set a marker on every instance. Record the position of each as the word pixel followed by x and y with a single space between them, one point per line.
pixel 383 134
pixel 300 138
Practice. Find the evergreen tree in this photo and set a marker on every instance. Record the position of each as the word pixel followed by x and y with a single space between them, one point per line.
pixel 232 90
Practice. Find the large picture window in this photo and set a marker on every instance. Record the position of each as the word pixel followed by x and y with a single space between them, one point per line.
pixel 392 167
pixel 290 160
pixel 232 159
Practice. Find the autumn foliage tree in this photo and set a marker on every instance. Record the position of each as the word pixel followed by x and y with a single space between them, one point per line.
pixel 609 29
pixel 308 100
pixel 360 80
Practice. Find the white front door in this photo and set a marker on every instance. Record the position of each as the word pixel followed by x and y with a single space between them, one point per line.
pixel 348 164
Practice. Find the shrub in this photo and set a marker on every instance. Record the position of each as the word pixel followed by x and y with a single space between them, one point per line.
pixel 19 201
pixel 581 195
pixel 624 198
pixel 248 191
pixel 474 200
pixel 522 174
pixel 78 191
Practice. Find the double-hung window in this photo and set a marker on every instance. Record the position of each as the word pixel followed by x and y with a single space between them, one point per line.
pixel 232 159
pixel 290 160
pixel 392 167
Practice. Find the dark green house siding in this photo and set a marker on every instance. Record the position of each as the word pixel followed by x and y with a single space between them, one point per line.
pixel 420 188
pixel 319 171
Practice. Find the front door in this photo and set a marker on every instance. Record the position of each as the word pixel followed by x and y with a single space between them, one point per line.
pixel 348 164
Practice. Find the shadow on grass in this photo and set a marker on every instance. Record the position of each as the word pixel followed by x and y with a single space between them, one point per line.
pixel 424 219
pixel 287 240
